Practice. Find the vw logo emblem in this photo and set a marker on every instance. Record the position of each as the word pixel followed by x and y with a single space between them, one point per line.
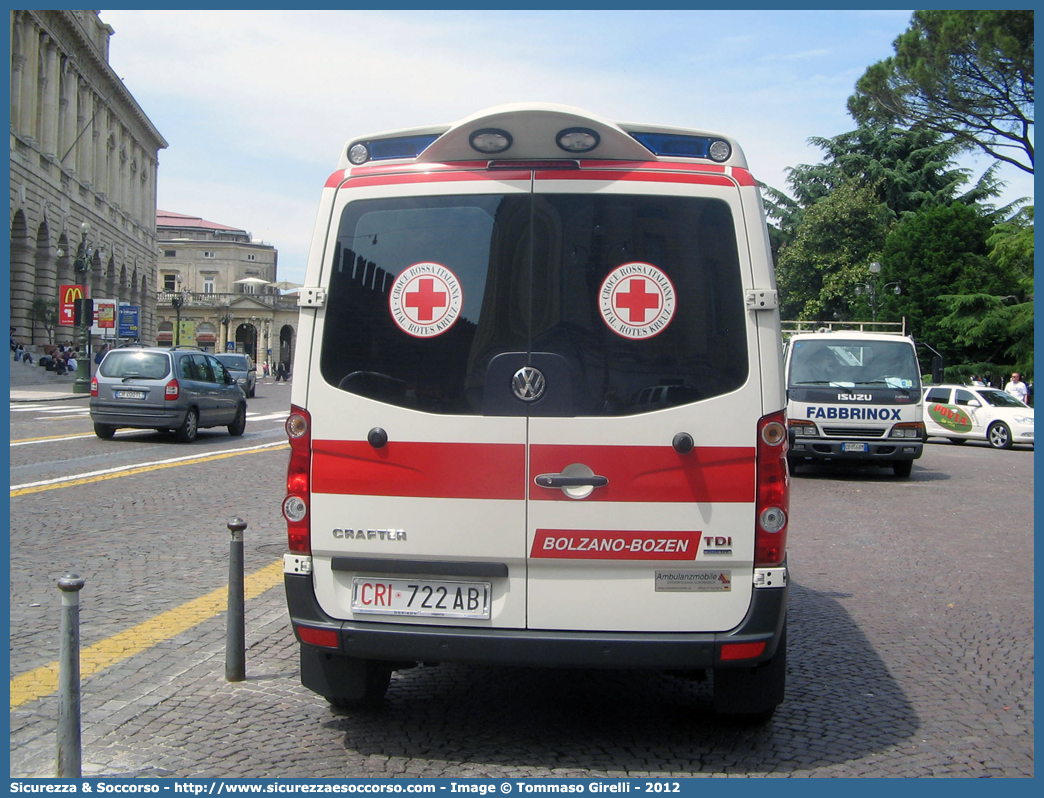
pixel 528 384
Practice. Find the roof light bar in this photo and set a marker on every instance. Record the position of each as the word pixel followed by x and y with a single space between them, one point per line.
pixel 577 139
pixel 386 149
pixel 490 140
pixel 672 144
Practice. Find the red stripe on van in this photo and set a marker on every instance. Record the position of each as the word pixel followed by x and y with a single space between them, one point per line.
pixel 434 177
pixel 638 176
pixel 430 470
pixel 651 473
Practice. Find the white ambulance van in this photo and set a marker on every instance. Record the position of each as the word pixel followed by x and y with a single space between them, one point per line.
pixel 538 409
pixel 854 396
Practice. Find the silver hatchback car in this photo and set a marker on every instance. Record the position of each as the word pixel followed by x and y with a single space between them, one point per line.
pixel 182 389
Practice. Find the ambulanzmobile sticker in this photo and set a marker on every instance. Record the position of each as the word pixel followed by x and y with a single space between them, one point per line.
pixel 637 300
pixel 426 299
pixel 694 581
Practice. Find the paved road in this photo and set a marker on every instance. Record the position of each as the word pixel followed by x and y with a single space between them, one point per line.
pixel 911 637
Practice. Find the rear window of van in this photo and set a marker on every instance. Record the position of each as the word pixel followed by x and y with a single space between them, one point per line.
pixel 524 273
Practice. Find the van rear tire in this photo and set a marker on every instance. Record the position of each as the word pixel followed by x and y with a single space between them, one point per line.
pixel 750 695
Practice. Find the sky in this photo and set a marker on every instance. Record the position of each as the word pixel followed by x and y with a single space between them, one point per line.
pixel 256 105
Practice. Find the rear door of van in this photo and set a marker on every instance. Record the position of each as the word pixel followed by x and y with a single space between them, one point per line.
pixel 536 399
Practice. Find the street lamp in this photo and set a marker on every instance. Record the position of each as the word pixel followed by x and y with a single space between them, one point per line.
pixel 225 320
pixel 82 266
pixel 176 302
pixel 872 290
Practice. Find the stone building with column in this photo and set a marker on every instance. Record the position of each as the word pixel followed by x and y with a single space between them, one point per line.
pixel 218 290
pixel 82 151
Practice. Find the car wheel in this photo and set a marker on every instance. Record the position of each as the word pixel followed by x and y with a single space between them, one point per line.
pixel 999 435
pixel 902 468
pixel 189 427
pixel 958 441
pixel 239 424
pixel 104 431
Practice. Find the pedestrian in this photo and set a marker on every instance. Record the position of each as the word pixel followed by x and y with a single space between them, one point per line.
pixel 280 374
pixel 977 381
pixel 71 363
pixel 1017 388
pixel 264 369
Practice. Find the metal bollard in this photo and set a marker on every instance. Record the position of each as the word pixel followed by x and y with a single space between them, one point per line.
pixel 69 679
pixel 235 640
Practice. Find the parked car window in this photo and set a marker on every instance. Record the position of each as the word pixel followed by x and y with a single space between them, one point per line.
pixel 941 395
pixel 185 369
pixel 965 397
pixel 202 366
pixel 1000 399
pixel 132 363
pixel 218 369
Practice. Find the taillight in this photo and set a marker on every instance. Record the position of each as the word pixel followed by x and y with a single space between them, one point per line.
pixel 94 386
pixel 298 481
pixel 773 502
pixel 172 391
pixel 328 638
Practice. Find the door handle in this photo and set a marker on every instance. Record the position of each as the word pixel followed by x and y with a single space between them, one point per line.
pixel 565 481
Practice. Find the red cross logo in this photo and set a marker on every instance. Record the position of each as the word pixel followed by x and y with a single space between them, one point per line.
pixel 637 301
pixel 426 299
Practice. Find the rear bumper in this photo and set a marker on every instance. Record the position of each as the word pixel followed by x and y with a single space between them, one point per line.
pixel 125 417
pixel 834 449
pixel 538 647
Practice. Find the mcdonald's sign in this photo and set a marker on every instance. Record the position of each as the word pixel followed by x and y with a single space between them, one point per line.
pixel 68 295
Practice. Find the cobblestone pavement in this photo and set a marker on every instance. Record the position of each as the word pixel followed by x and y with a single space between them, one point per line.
pixel 911 654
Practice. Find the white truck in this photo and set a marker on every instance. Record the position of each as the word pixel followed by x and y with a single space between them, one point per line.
pixel 854 396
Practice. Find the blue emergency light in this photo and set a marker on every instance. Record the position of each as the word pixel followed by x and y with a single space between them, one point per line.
pixel 675 145
pixel 386 149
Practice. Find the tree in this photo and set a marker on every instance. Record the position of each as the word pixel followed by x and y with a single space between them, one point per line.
pixel 1000 323
pixel 967 75
pixel 830 252
pixel 45 313
pixel 943 251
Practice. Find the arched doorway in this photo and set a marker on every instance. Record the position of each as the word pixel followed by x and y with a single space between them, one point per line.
pixel 246 339
pixel 286 347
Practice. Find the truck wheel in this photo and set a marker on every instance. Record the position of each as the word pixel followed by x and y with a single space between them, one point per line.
pixel 751 695
pixel 902 468
pixel 999 435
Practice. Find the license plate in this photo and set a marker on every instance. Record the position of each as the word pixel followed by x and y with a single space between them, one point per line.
pixel 420 597
pixel 130 394
pixel 853 447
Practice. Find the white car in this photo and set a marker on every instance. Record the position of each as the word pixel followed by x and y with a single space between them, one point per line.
pixel 968 412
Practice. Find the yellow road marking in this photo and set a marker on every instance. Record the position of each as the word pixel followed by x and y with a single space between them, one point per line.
pixel 74 481
pixel 105 653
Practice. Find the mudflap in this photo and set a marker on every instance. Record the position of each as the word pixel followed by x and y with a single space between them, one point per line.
pixel 754 691
pixel 344 681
